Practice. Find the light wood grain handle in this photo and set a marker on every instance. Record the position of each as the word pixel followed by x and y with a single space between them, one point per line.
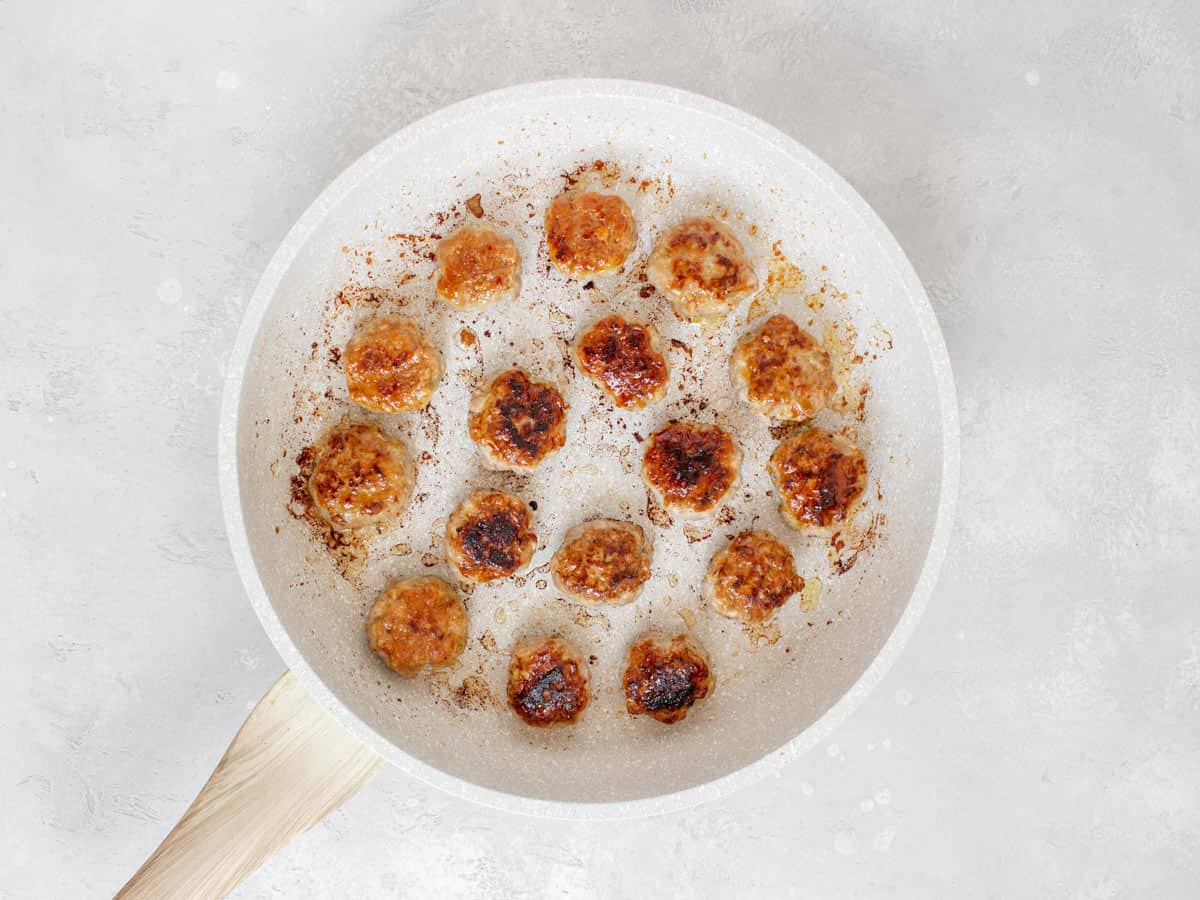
pixel 289 766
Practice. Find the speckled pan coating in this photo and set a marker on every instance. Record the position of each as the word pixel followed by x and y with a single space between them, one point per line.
pixel 787 695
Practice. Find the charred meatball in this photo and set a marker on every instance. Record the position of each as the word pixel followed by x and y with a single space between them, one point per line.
pixel 626 360
pixel 782 372
pixel 490 536
pixel 416 622
pixel 589 235
pixel 390 367
pixel 702 269
pixel 548 681
pixel 602 561
pixel 666 676
pixel 477 265
pixel 691 467
pixel 751 578
pixel 360 477
pixel 820 478
pixel 518 422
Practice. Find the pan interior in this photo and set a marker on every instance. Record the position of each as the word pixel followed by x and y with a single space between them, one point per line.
pixel 367 240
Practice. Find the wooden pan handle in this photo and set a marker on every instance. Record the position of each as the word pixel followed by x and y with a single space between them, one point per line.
pixel 289 766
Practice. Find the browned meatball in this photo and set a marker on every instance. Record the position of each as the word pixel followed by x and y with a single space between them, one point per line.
pixel 360 477
pixel 691 467
pixel 476 266
pixel 518 422
pixel 490 536
pixel 390 367
pixel 702 269
pixel 666 676
pixel 589 234
pixel 625 359
pixel 751 578
pixel 548 681
pixel 416 622
pixel 602 561
pixel 820 478
pixel 782 371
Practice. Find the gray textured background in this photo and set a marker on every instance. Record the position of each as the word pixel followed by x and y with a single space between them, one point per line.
pixel 1039 161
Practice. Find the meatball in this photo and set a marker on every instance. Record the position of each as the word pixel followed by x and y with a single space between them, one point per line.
pixel 702 269
pixel 751 578
pixel 417 621
pixel 820 478
pixel 489 536
pixel 690 466
pixel 390 367
pixel 666 676
pixel 477 265
pixel 589 234
pixel 360 477
pixel 547 681
pixel 603 561
pixel 625 359
pixel 782 371
pixel 518 422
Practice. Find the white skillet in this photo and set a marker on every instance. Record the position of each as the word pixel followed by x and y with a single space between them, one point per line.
pixel 326 727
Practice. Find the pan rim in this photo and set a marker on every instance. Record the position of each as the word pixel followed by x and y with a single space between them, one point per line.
pixel 771 761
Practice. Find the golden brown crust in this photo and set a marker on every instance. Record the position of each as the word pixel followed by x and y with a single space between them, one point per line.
pixel 390 367
pixel 589 234
pixel 625 359
pixel 477 265
pixel 416 622
pixel 820 478
pixel 751 578
pixel 490 536
pixel 548 682
pixel 360 477
pixel 602 561
pixel 518 422
pixel 665 677
pixel 702 269
pixel 782 371
pixel 691 466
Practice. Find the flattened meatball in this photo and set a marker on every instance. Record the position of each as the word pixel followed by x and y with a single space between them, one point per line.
pixel 477 265
pixel 603 561
pixel 625 359
pixel 820 478
pixel 666 676
pixel 702 269
pixel 417 621
pixel 690 466
pixel 751 578
pixel 518 422
pixel 490 536
pixel 360 477
pixel 548 681
pixel 390 367
pixel 589 234
pixel 782 371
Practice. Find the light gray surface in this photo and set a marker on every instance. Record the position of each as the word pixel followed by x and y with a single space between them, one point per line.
pixel 1040 165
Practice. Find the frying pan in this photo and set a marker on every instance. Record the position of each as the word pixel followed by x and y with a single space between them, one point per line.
pixel 363 248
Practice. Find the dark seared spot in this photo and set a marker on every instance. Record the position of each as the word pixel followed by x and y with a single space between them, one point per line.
pixel 491 540
pixel 544 693
pixel 667 689
pixel 527 412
